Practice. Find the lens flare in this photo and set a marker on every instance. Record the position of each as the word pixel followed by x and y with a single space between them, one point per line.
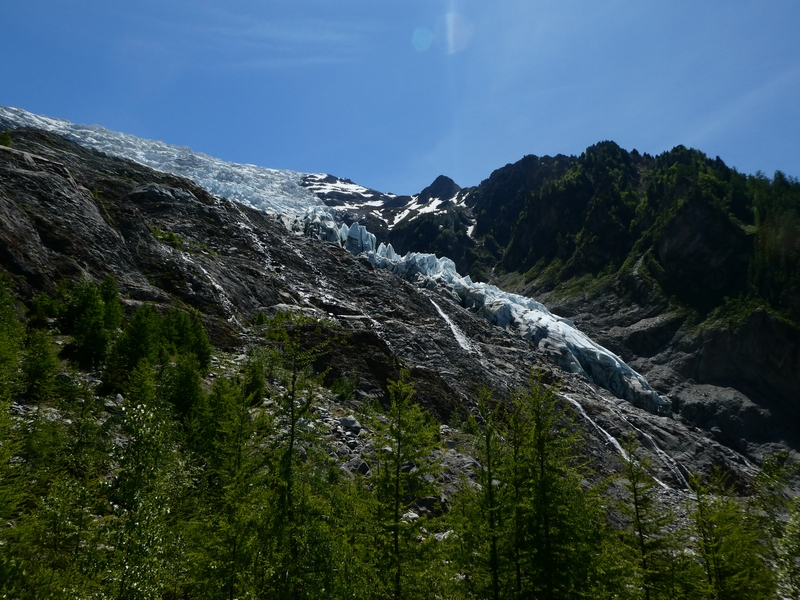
pixel 421 39
pixel 457 31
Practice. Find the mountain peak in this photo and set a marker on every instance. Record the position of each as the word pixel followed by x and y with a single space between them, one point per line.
pixel 442 187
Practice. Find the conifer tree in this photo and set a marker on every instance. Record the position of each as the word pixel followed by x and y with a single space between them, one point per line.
pixel 148 489
pixel 181 386
pixel 558 526
pixel 54 541
pixel 404 472
pixel 663 570
pixel 184 332
pixel 85 316
pixel 112 309
pixel 39 365
pixel 298 529
pixel 789 554
pixel 11 484
pixel 141 340
pixel 729 547
pixel 479 513
pixel 228 562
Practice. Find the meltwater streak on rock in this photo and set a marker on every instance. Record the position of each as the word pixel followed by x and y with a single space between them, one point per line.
pixel 572 350
pixel 271 190
pixel 609 438
pixel 457 333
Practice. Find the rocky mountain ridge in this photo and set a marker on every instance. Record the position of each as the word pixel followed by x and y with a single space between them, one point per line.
pixel 69 212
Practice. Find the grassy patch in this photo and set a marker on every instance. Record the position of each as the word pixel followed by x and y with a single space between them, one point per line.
pixel 169 237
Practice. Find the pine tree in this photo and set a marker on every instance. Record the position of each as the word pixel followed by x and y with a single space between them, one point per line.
pixel 729 547
pixel 85 316
pixel 403 473
pixel 141 340
pixel 558 525
pixel 39 366
pixel 224 532
pixel 112 309
pixel 789 554
pixel 479 513
pixel 181 386
pixel 663 570
pixel 11 484
pixel 301 554
pixel 184 332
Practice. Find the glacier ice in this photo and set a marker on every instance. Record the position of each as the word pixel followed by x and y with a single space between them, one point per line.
pixel 320 223
pixel 557 337
pixel 271 190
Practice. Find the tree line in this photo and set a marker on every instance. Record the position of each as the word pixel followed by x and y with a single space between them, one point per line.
pixel 126 471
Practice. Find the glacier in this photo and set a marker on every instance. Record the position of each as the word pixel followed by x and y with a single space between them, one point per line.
pixel 270 190
pixel 554 336
pixel 280 192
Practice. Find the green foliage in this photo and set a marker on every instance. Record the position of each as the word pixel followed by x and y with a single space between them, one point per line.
pixel 769 508
pixel 112 309
pixel 39 365
pixel 185 334
pixel 157 340
pixel 609 209
pixel 226 533
pixel 180 493
pixel 12 491
pixel 532 529
pixel 151 480
pixel 775 268
pixel 557 525
pixel 85 318
pixel 478 514
pixel 181 386
pixel 141 341
pixel 297 527
pixel 729 544
pixel 260 318
pixel 169 237
pixel 43 309
pixel 344 387
pixel 789 554
pixel 402 474
pixel 11 337
pixel 662 570
pixel 5 139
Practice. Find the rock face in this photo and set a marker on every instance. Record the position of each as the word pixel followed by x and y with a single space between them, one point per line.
pixel 69 212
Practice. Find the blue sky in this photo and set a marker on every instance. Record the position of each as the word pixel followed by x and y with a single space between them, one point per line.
pixel 392 93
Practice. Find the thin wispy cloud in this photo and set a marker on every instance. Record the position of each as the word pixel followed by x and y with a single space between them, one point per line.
pixel 223 40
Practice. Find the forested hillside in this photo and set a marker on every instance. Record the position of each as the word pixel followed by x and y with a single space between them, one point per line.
pixel 704 233
pixel 169 471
